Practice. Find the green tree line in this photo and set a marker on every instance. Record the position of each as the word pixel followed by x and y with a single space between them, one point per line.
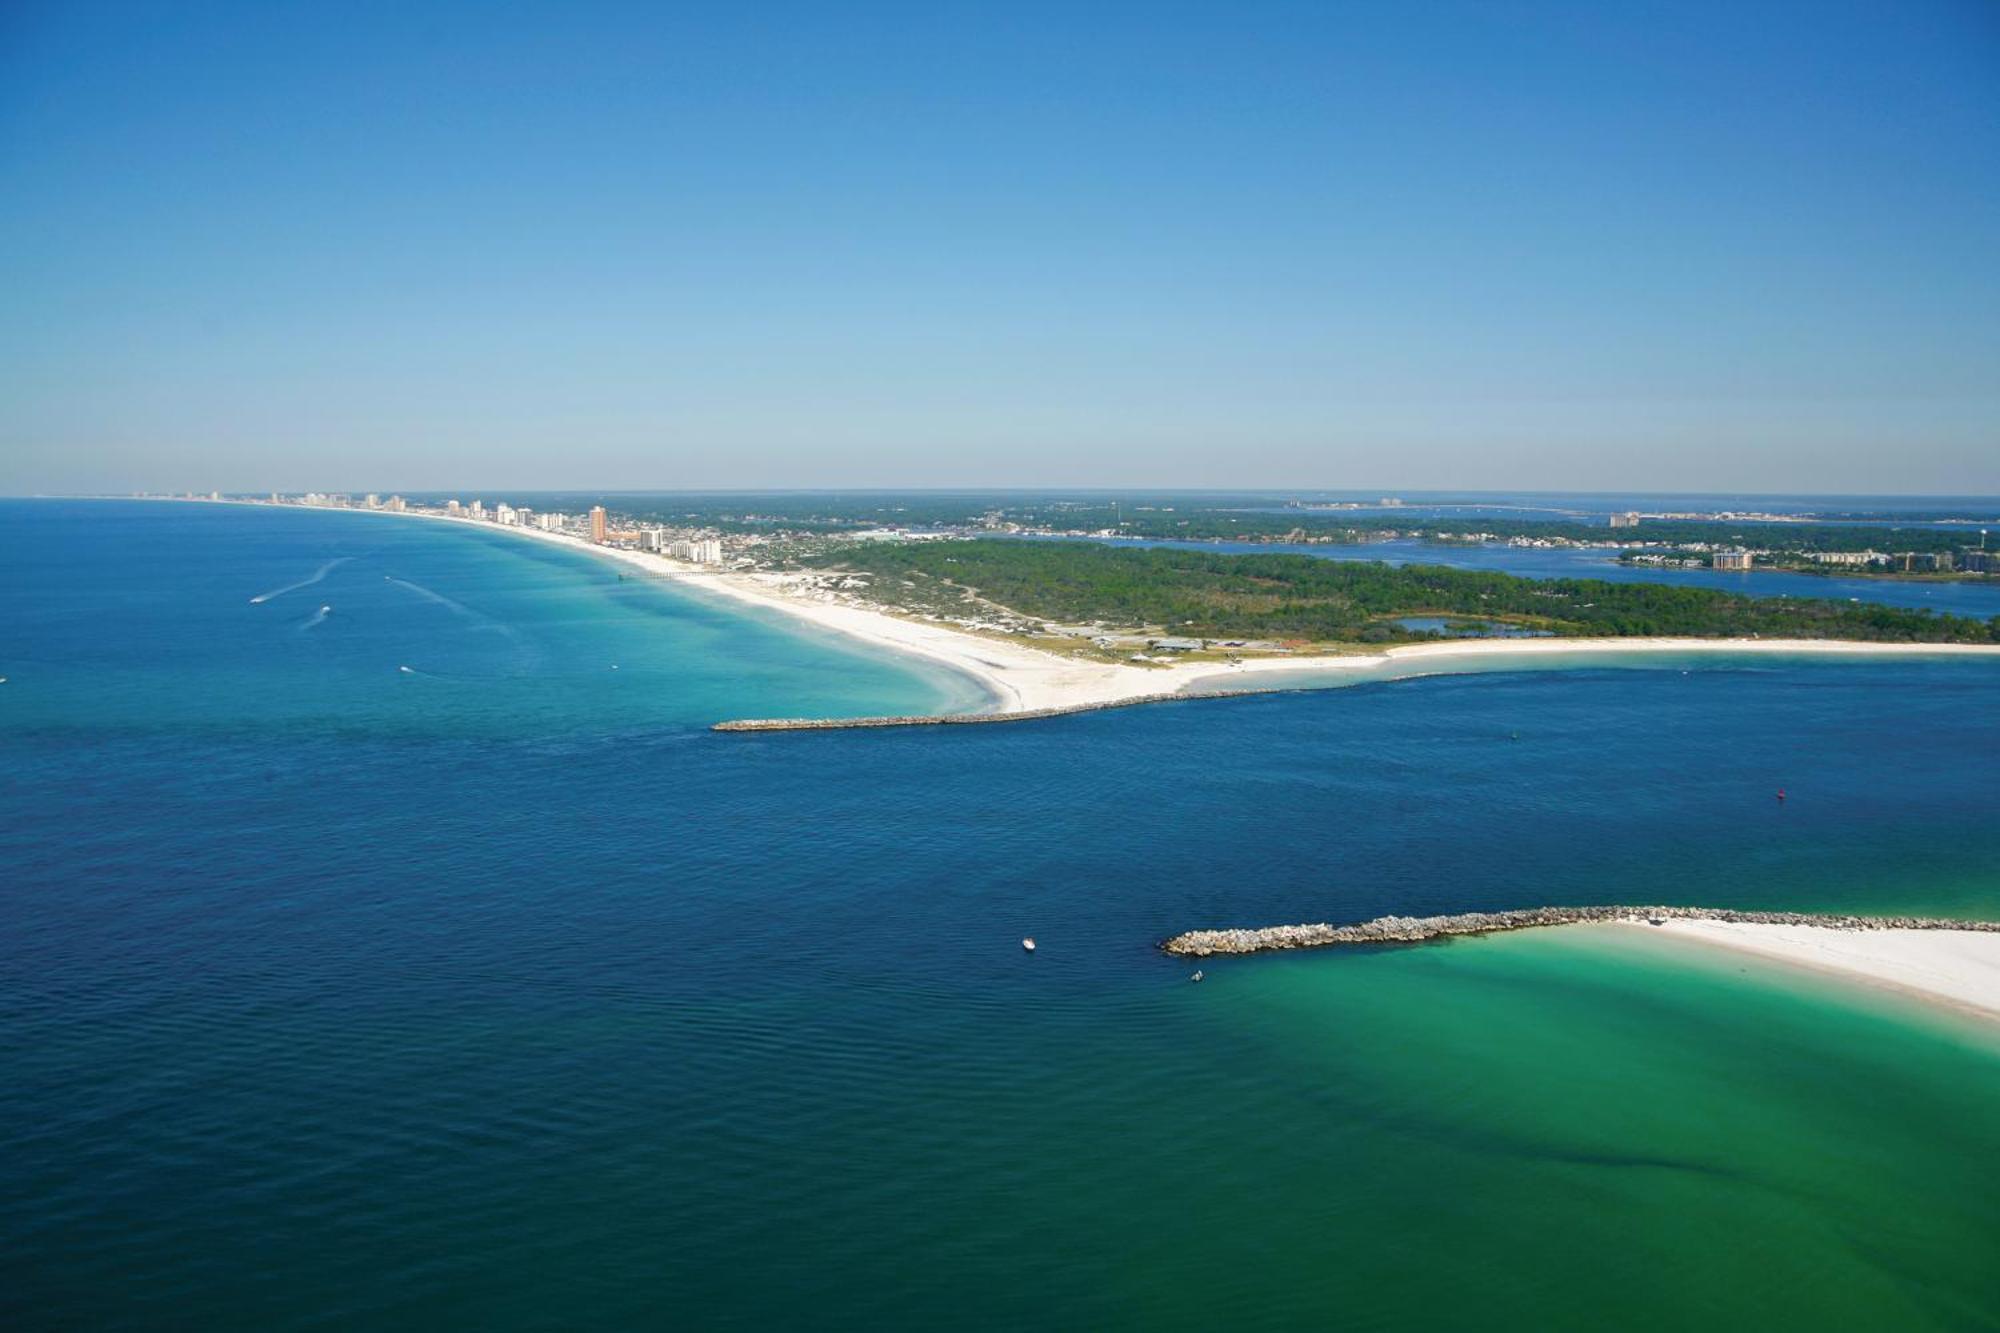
pixel 1283 596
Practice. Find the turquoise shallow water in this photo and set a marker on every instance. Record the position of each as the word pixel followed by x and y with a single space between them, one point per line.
pixel 509 995
pixel 143 616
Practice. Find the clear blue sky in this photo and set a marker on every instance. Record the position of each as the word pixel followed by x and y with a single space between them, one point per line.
pixel 1667 246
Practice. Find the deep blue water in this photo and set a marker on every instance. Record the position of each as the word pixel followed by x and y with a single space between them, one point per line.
pixel 502 992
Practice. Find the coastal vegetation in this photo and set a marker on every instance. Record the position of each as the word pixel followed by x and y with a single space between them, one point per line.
pixel 1262 519
pixel 1335 528
pixel 1927 544
pixel 1284 597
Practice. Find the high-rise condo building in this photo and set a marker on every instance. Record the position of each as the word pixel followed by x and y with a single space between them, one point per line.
pixel 700 551
pixel 597 524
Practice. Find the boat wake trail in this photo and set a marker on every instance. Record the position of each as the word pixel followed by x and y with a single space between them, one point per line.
pixel 317 617
pixel 457 677
pixel 479 619
pixel 317 575
pixel 429 596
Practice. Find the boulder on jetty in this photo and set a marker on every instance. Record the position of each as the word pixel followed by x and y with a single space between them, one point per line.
pixel 1416 929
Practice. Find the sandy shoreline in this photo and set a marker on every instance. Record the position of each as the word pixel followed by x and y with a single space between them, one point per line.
pixel 1956 968
pixel 1942 960
pixel 1016 676
pixel 1020 678
pixel 1959 969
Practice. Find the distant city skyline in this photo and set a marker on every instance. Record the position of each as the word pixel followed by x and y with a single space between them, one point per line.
pixel 1750 249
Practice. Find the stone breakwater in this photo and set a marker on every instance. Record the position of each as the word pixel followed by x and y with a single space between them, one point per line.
pixel 1416 929
pixel 964 719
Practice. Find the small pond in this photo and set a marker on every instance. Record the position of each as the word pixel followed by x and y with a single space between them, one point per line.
pixel 1460 627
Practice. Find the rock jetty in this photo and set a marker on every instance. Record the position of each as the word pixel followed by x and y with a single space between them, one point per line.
pixel 962 719
pixel 1416 929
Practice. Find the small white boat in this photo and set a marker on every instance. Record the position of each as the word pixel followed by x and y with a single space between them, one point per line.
pixel 1197 975
pixel 1029 944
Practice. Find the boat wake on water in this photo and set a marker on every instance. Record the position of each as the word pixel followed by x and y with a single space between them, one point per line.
pixel 317 575
pixel 461 677
pixel 317 617
pixel 429 596
pixel 528 658
pixel 479 618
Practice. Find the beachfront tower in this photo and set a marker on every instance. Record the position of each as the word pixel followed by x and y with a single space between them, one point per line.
pixel 597 524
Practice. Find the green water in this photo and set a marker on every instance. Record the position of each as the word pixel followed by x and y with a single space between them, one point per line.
pixel 1532 1130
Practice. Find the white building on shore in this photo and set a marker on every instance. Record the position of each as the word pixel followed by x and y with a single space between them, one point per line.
pixel 701 551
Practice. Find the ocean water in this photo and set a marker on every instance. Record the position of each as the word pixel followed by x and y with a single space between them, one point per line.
pixel 507 995
pixel 149 615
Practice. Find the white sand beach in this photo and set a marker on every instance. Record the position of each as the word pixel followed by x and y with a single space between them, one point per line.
pixel 1023 678
pixel 1019 677
pixel 1959 968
